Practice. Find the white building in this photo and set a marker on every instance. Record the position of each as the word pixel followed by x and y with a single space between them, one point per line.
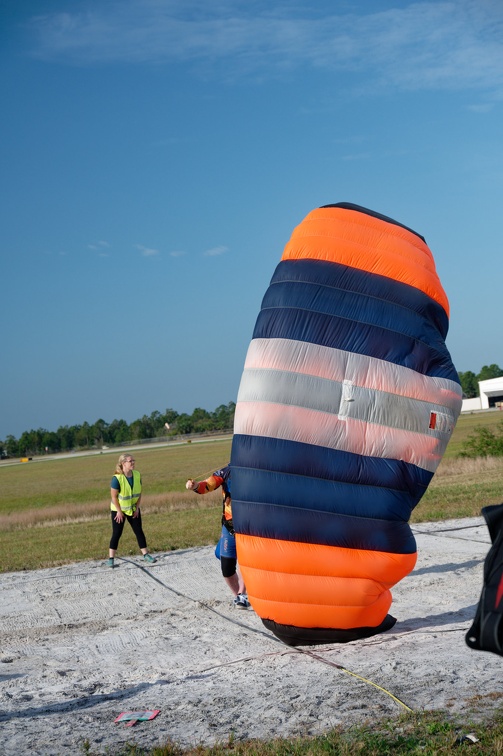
pixel 491 396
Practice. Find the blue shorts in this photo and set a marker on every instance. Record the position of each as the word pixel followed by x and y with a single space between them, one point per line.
pixel 226 547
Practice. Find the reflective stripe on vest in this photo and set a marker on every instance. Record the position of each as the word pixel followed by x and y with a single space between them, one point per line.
pixel 128 496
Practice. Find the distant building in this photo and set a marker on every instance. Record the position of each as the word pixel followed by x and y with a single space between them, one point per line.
pixel 491 396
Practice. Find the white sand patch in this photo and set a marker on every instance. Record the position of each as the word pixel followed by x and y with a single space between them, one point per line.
pixel 82 643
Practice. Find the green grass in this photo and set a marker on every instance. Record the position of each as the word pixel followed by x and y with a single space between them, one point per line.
pixel 57 544
pixel 460 488
pixel 417 734
pixel 466 424
pixel 76 480
pixel 56 511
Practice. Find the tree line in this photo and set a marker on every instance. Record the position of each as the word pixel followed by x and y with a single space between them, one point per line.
pixel 100 433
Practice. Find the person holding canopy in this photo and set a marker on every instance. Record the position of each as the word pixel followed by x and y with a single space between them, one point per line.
pixel 226 547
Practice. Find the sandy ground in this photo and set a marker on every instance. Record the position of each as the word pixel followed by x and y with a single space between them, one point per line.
pixel 82 643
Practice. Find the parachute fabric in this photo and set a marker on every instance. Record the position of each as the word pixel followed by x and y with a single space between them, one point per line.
pixel 346 404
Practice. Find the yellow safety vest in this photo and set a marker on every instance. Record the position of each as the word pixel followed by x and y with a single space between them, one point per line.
pixel 128 496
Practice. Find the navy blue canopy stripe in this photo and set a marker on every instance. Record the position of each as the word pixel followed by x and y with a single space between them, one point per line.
pixel 345 334
pixel 293 458
pixel 324 528
pixel 352 280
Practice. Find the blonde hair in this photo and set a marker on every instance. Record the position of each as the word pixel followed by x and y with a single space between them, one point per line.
pixel 118 467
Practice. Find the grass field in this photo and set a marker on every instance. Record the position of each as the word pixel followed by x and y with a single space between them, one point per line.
pixel 54 511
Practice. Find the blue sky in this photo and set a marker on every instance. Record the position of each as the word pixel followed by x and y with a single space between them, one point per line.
pixel 157 154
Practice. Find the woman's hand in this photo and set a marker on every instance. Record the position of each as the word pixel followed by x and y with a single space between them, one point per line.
pixel 189 484
pixel 136 513
pixel 119 516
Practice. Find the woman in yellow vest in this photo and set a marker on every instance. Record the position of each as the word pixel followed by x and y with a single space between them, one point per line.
pixel 125 490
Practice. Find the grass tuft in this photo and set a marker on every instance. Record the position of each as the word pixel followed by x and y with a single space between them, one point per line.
pixel 428 733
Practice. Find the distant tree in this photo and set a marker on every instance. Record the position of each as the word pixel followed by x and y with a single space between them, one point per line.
pixel 490 371
pixel 23 444
pixel 170 416
pixel 83 435
pixel 224 416
pixel 484 442
pixel 50 441
pixel 99 432
pixel 11 446
pixel 119 432
pixel 66 437
pixel 142 428
pixel 184 424
pixel 31 442
pixel 200 414
pixel 156 423
pixel 469 384
pixel 201 421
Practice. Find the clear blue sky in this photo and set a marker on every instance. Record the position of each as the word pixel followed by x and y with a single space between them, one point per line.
pixel 157 154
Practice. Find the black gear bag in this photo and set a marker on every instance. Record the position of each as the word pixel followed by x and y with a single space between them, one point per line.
pixel 486 632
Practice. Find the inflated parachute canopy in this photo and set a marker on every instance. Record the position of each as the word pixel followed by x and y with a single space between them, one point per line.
pixel 346 404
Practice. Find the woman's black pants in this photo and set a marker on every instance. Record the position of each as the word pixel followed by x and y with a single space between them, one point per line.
pixel 118 527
